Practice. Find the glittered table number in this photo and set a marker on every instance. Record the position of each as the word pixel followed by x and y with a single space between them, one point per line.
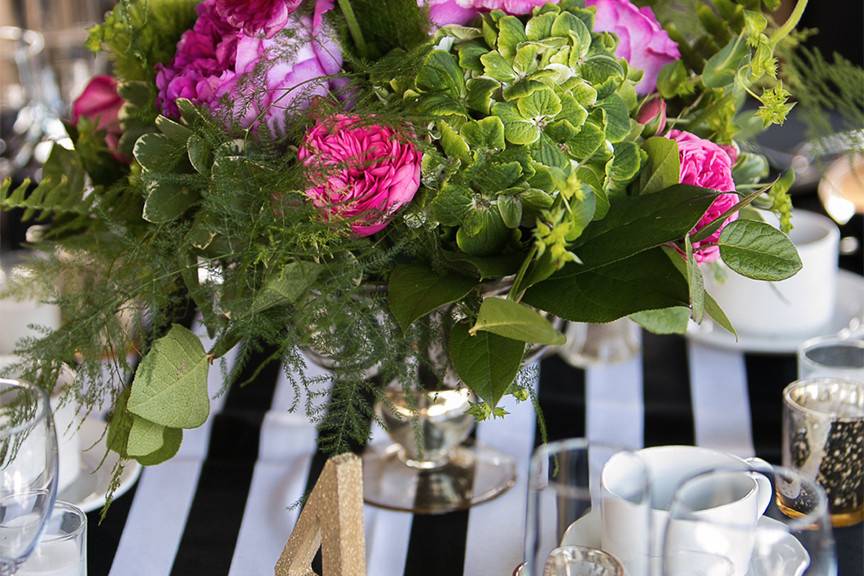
pixel 332 520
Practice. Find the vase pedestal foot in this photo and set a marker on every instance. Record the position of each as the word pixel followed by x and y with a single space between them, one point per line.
pixel 472 474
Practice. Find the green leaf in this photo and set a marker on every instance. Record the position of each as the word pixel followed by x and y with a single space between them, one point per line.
pixel 200 154
pixel 451 204
pixel 569 25
pixel 511 33
pixel 720 70
pixel 493 178
pixel 759 251
pixel 716 313
pixel 167 200
pixel 624 165
pixel 510 208
pixel 696 282
pixel 495 266
pixel 604 72
pixel 517 130
pixel 480 91
pixel 587 141
pixel 673 80
pixel 171 440
pixel 750 168
pixel 486 363
pixel 487 133
pixel 483 233
pixel 666 321
pixel 637 223
pixel 414 291
pixel 496 67
pixel 120 424
pixel 287 286
pixel 440 72
pixel 585 293
pixel 170 386
pixel 159 153
pixel 617 118
pixel 145 437
pixel 539 104
pixel 516 321
pixel 539 27
pixel 663 167
pixel 452 143
pixel 582 213
pixel 175 132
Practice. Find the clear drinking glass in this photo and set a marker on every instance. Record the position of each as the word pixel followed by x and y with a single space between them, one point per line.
pixel 792 538
pixel 28 470
pixel 62 550
pixel 832 356
pixel 823 438
pixel 564 511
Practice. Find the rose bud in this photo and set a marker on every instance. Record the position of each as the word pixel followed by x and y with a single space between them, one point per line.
pixel 652 115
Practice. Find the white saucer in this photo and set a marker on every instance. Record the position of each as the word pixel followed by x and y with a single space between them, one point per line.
pixel 88 490
pixel 587 532
pixel 850 299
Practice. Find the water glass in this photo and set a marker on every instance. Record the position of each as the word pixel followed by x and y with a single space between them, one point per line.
pixel 832 356
pixel 565 500
pixel 823 438
pixel 62 550
pixel 792 538
pixel 28 470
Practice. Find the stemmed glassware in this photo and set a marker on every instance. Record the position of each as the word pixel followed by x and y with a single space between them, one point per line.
pixel 28 470
pixel 792 538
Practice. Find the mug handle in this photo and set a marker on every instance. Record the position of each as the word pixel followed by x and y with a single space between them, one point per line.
pixel 765 487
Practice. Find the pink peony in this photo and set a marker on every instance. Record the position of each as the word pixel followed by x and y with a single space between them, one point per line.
pixel 641 39
pixel 257 16
pixel 444 12
pixel 515 7
pixel 100 102
pixel 705 164
pixel 361 173
pixel 246 77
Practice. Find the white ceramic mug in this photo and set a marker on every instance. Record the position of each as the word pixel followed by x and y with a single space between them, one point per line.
pixel 634 534
pixel 803 304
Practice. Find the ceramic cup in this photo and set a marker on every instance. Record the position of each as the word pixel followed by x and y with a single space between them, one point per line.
pixel 624 529
pixel 803 304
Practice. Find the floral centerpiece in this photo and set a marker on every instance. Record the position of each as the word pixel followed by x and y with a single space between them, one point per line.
pixel 331 177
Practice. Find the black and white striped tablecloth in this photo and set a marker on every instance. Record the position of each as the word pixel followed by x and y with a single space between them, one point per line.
pixel 226 503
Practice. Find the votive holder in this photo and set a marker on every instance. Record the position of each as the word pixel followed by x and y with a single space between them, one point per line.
pixel 62 549
pixel 823 439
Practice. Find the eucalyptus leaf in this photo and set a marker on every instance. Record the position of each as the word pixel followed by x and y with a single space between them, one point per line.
pixel 170 385
pixel 759 251
pixel 516 321
pixel 486 363
pixel 414 291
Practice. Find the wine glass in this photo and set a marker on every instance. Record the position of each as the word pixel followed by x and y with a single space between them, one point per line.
pixel 792 538
pixel 565 533
pixel 28 470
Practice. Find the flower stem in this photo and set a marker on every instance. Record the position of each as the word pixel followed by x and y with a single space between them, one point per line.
pixel 353 27
pixel 790 23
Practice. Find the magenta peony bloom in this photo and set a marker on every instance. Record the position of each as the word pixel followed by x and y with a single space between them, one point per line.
pixel 244 78
pixel 361 173
pixel 641 39
pixel 515 7
pixel 256 16
pixel 100 102
pixel 444 12
pixel 705 164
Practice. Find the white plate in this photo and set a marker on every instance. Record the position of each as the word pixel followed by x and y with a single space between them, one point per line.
pixel 88 490
pixel 586 532
pixel 850 300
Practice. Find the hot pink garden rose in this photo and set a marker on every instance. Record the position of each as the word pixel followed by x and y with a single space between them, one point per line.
pixel 705 164
pixel 641 39
pixel 242 77
pixel 257 16
pixel 361 173
pixel 101 103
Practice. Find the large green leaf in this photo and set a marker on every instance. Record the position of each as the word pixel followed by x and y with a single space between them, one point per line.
pixel 516 321
pixel 451 204
pixel 587 293
pixel 666 321
pixel 159 153
pixel 759 251
pixel 663 168
pixel 483 233
pixel 638 223
pixel 486 363
pixel 170 386
pixel 171 440
pixel 440 72
pixel 415 291
pixel 145 437
pixel 167 200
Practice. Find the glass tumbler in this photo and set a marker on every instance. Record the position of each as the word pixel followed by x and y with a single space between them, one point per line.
pixel 832 356
pixel 62 550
